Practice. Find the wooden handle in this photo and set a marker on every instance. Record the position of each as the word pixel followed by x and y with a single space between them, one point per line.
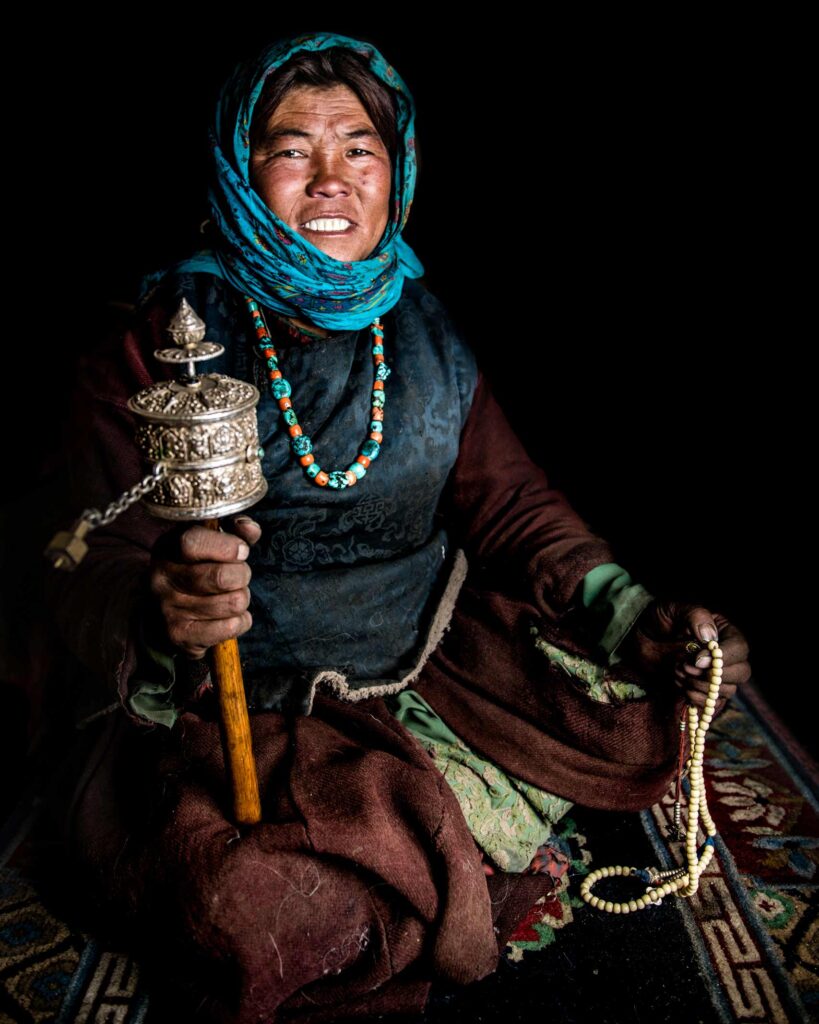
pixel 237 744
pixel 227 672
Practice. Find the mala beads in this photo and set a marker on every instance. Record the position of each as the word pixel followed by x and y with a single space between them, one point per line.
pixel 300 443
pixel 682 880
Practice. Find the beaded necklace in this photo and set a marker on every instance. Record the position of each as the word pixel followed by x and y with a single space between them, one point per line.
pixel 300 442
pixel 664 883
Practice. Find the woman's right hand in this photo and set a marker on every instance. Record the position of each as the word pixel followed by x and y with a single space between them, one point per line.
pixel 200 580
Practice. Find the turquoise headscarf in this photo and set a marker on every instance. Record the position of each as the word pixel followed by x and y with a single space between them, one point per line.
pixel 258 253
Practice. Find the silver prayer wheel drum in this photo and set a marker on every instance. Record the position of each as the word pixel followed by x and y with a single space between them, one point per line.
pixel 202 430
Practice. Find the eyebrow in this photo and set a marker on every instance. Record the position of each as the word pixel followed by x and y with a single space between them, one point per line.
pixel 270 138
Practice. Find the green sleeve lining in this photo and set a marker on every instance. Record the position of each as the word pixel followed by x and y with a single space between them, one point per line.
pixel 616 601
pixel 152 684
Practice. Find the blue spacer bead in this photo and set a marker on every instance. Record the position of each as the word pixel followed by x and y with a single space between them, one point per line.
pixel 357 468
pixel 382 372
pixel 378 350
pixel 378 399
pixel 301 444
pixel 709 841
pixel 280 388
pixel 337 480
pixel 312 470
pixel 371 449
pixel 290 417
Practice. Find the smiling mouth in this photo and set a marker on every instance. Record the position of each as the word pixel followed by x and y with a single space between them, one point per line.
pixel 329 225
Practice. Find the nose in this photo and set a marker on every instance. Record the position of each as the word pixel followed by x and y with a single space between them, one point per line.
pixel 329 177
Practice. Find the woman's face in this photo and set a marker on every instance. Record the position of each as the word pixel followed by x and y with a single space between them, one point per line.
pixel 323 169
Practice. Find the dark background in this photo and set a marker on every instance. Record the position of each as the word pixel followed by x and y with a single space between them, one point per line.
pixel 605 207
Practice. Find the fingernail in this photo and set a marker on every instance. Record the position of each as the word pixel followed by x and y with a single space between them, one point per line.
pixel 703 661
pixel 706 632
pixel 243 519
pixel 242 552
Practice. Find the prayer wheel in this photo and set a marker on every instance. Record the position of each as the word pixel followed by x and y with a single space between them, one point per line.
pixel 199 437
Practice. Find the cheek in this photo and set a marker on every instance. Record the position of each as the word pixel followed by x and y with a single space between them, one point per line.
pixel 278 189
pixel 378 185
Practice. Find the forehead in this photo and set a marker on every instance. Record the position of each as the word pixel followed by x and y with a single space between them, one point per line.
pixel 318 104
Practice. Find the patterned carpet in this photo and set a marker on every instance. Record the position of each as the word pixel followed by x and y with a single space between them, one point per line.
pixel 744 949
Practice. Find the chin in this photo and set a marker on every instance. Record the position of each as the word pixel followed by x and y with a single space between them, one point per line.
pixel 337 250
pixel 342 257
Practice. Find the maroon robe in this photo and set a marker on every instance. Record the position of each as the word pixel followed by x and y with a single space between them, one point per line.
pixel 362 884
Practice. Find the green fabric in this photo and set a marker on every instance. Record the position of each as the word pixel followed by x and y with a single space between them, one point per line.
pixel 508 818
pixel 151 688
pixel 616 602
pixel 153 700
pixel 598 681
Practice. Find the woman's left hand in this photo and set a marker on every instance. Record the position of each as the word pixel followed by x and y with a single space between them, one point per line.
pixel 656 644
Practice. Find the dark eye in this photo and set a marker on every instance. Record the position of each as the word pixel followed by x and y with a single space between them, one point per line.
pixel 366 152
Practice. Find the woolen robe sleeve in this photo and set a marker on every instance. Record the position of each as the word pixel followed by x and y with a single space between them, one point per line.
pixel 502 509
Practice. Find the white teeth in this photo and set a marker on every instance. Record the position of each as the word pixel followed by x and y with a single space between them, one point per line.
pixel 328 224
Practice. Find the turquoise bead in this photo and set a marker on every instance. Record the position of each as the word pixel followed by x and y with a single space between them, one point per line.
pixel 290 417
pixel 376 427
pixel 371 449
pixel 378 350
pixel 378 399
pixel 357 468
pixel 337 480
pixel 382 372
pixel 301 444
pixel 280 388
pixel 253 305
pixel 313 470
pixel 273 363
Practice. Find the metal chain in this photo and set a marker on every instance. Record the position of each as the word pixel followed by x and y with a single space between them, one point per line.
pixel 128 498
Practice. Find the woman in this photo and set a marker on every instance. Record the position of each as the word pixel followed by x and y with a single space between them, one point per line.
pixel 414 587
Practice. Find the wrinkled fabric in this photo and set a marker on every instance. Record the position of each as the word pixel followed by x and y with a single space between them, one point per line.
pixel 361 877
pixel 261 255
pixel 351 800
pixel 508 819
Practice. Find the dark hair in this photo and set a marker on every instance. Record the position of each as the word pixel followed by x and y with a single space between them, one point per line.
pixel 326 68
